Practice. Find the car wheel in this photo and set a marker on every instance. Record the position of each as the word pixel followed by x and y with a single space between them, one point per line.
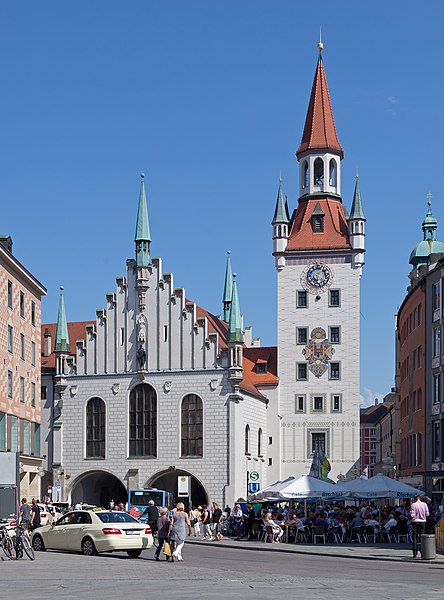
pixel 134 553
pixel 38 544
pixel 88 548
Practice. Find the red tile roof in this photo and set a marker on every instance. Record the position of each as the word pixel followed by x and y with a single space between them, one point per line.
pixel 320 130
pixel 334 235
pixel 76 331
pixel 254 356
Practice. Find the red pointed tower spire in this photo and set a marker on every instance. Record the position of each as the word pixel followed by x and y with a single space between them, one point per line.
pixel 319 130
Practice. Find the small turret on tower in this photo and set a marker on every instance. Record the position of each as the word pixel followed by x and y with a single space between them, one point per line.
pixel 228 289
pixel 280 228
pixel 143 237
pixel 356 228
pixel 235 339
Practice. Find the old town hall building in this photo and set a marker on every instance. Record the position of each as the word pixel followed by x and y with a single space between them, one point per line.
pixel 155 386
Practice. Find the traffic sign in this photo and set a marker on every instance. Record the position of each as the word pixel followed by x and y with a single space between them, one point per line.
pixel 253 476
pixel 253 487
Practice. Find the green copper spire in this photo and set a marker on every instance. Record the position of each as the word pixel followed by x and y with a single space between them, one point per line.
pixel 235 323
pixel 429 245
pixel 143 236
pixel 357 211
pixel 228 289
pixel 280 213
pixel 62 338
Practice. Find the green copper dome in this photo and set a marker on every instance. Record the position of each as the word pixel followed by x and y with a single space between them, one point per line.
pixel 429 245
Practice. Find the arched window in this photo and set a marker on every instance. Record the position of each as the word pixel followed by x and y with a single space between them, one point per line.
pixel 318 173
pixel 192 426
pixel 259 442
pixel 333 173
pixel 95 428
pixel 143 421
pixel 305 175
pixel 247 439
pixel 280 231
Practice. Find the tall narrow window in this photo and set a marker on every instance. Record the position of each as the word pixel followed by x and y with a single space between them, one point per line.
pixel 318 173
pixel 33 313
pixel 22 304
pixel 10 339
pixel 36 439
pixel 22 346
pixel 22 389
pixel 33 395
pixel 192 426
pixel 333 174
pixel 26 433
pixel 33 354
pixel 318 442
pixel 10 384
pixel 305 175
pixel 247 439
pixel 95 428
pixel 9 293
pixel 143 421
pixel 259 442
pixel 2 432
pixel 13 424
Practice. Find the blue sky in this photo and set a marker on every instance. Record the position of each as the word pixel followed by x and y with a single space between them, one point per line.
pixel 209 100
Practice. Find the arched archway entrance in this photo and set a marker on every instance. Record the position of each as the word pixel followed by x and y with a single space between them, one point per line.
pixel 98 487
pixel 167 480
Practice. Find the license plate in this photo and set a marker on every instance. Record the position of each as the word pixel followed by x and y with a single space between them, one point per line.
pixel 132 532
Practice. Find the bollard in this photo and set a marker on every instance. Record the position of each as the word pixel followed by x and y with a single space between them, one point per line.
pixel 428 546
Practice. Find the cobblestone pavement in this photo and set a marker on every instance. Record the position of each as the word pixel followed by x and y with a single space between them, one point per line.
pixel 217 572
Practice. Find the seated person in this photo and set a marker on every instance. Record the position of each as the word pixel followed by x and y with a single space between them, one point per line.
pixel 391 522
pixel 278 532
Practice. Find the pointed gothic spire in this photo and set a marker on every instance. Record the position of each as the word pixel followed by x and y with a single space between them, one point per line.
pixel 357 211
pixel 320 131
pixel 62 338
pixel 143 236
pixel 280 212
pixel 228 289
pixel 235 323
pixel 286 208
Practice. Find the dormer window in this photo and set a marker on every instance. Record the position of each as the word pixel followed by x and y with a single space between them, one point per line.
pixel 317 219
pixel 261 367
pixel 318 172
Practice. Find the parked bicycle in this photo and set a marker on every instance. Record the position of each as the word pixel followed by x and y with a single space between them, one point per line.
pixel 22 543
pixel 6 540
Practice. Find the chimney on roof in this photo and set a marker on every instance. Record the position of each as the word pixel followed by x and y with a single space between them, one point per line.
pixel 376 402
pixel 47 339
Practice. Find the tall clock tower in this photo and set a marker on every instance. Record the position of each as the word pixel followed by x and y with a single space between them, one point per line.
pixel 319 254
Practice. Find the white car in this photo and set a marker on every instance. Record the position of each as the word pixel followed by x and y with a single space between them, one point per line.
pixel 48 514
pixel 94 531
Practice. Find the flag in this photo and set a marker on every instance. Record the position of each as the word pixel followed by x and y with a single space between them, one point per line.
pixel 316 466
pixel 325 467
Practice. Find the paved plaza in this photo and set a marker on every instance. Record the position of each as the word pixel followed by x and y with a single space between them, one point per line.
pixel 216 572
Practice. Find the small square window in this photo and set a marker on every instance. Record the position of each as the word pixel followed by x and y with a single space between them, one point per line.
pixel 335 335
pixel 335 371
pixel 299 406
pixel 318 223
pixel 318 403
pixel 335 298
pixel 10 294
pixel 336 403
pixel 261 368
pixel 301 372
pixel 302 301
pixel 22 304
pixel 302 335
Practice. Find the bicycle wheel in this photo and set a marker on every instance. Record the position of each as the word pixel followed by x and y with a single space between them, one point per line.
pixel 27 547
pixel 8 547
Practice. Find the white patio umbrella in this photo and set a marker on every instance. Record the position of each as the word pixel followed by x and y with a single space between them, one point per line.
pixel 379 486
pixel 269 493
pixel 309 487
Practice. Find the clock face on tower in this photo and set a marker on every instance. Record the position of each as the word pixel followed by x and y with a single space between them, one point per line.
pixel 316 278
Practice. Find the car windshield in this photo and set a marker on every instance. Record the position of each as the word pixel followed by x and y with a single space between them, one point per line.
pixel 115 517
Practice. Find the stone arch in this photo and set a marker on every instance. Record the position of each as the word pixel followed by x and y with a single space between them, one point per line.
pixel 167 480
pixel 98 487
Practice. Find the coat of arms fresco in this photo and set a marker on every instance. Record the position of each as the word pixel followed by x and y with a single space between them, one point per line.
pixel 318 352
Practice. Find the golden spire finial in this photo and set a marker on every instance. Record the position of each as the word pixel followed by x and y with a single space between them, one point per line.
pixel 320 44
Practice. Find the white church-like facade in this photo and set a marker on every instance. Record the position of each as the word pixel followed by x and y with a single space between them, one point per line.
pixel 156 387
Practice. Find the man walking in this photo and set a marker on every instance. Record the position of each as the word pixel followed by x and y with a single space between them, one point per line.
pixel 419 512
pixel 216 518
pixel 35 515
pixel 25 514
